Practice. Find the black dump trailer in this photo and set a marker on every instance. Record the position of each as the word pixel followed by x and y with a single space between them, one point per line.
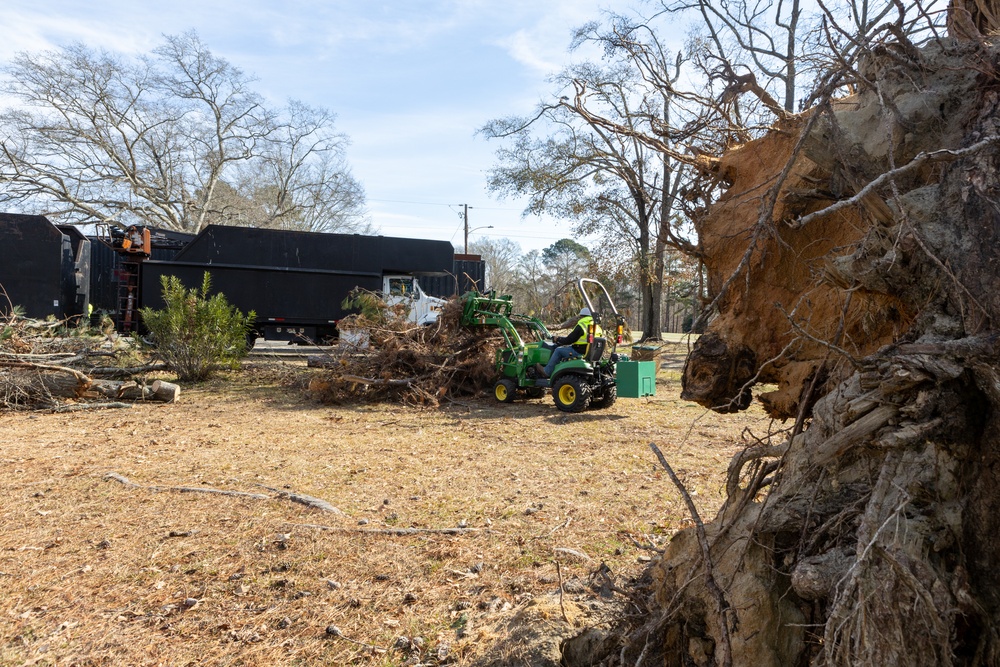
pixel 295 282
pixel 44 268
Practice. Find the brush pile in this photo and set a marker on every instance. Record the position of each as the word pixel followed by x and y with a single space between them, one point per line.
pixel 394 360
pixel 52 365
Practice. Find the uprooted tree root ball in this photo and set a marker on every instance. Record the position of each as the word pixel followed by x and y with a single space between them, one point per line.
pixel 864 532
pixel 397 360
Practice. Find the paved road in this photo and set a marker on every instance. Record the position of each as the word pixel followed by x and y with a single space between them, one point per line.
pixel 282 349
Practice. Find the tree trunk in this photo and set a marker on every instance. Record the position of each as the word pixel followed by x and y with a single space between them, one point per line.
pixel 33 384
pixel 23 382
pixel 647 312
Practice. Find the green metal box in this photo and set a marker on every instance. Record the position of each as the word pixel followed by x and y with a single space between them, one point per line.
pixel 636 379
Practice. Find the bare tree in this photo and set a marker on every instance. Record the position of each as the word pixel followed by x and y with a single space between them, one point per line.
pixel 586 157
pixel 501 257
pixel 534 286
pixel 300 181
pixel 177 139
pixel 747 39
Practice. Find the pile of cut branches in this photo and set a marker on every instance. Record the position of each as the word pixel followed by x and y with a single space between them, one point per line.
pixel 400 361
pixel 50 364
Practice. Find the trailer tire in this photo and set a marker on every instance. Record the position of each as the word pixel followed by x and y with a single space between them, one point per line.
pixel 571 393
pixel 505 390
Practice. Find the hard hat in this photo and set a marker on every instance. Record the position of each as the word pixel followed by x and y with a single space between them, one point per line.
pixel 585 311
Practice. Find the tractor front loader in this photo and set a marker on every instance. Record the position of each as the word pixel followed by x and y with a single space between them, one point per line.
pixel 578 383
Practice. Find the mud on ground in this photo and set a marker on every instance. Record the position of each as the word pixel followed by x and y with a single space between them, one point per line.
pixel 116 547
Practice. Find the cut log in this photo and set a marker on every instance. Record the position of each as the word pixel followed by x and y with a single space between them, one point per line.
pixel 168 392
pixel 40 380
pixel 115 372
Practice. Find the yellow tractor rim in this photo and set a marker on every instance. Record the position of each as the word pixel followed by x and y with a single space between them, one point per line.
pixel 567 394
pixel 501 392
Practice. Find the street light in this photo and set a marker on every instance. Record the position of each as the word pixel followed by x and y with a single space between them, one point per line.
pixel 469 231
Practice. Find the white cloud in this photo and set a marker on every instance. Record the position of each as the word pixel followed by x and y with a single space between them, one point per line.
pixel 542 41
pixel 525 48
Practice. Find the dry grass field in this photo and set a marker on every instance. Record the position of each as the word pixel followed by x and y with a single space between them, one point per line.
pixel 117 546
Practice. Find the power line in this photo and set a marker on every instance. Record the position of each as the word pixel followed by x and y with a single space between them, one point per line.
pixel 428 203
pixel 494 233
pixel 419 203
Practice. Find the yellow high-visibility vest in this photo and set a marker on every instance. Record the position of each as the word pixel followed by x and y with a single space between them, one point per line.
pixel 585 322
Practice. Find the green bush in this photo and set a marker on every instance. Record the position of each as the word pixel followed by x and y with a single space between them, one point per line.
pixel 196 333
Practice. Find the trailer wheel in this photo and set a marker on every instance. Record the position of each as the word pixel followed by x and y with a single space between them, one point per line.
pixel 505 390
pixel 571 393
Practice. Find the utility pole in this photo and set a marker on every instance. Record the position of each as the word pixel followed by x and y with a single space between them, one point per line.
pixel 466 216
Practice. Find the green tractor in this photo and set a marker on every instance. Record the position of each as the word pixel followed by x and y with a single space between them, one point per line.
pixel 587 381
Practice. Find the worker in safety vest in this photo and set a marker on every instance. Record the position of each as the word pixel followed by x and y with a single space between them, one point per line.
pixel 573 345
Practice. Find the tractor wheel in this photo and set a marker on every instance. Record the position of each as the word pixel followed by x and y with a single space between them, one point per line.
pixel 571 393
pixel 505 390
pixel 535 392
pixel 605 401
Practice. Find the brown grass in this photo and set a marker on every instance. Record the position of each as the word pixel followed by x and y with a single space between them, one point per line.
pixel 97 572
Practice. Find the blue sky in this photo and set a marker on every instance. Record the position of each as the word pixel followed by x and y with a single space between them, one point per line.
pixel 410 83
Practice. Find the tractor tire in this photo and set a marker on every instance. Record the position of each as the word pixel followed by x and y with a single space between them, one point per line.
pixel 571 393
pixel 505 390
pixel 605 401
pixel 535 392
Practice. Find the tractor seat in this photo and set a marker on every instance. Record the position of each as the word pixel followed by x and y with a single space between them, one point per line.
pixel 596 350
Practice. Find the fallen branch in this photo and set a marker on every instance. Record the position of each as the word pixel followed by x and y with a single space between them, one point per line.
pixel 391 382
pixel 562 606
pixel 564 524
pixel 208 489
pixel 121 479
pixel 117 372
pixel 396 532
pixel 302 499
pixel 78 407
